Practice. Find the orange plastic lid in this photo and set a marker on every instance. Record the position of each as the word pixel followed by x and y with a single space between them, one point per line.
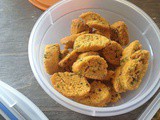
pixel 43 4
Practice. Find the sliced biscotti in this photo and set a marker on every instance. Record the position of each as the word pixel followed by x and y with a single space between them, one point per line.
pixel 130 79
pixel 78 26
pixel 93 67
pixel 70 85
pixel 90 42
pixel 119 33
pixel 69 40
pixel 68 60
pixel 132 72
pixel 94 20
pixel 112 53
pixel 129 50
pixel 51 58
pixel 143 57
pixel 98 96
pixel 82 55
pixel 116 81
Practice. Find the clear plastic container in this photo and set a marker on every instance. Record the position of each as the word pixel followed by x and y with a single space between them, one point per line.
pixel 15 106
pixel 54 24
pixel 151 110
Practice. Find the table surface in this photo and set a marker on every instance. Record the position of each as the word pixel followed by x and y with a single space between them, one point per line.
pixel 17 18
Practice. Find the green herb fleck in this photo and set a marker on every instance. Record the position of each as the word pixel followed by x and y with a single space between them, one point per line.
pixel 57 86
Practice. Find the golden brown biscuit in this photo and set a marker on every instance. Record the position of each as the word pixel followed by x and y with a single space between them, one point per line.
pixel 93 67
pixel 117 81
pixel 64 53
pixel 70 85
pixel 131 72
pixel 134 70
pixel 51 58
pixel 119 33
pixel 143 57
pixel 68 60
pixel 79 26
pixel 112 53
pixel 99 95
pixel 90 42
pixel 69 40
pixel 105 33
pixel 82 55
pixel 129 75
pixel 128 51
pixel 94 20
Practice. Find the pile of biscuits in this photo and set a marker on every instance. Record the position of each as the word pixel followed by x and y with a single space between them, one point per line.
pixel 94 68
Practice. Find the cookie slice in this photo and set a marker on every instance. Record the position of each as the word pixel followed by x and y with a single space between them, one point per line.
pixel 119 33
pixel 70 85
pixel 134 70
pixel 112 53
pixel 93 67
pixel 130 79
pixel 79 26
pixel 94 20
pixel 68 60
pixel 128 51
pixel 69 40
pixel 117 81
pixel 99 95
pixel 143 57
pixel 90 42
pixel 51 58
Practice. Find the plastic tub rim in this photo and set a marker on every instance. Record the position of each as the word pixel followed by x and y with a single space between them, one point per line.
pixel 49 89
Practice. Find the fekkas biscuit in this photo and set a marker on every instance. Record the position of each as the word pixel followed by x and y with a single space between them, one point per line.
pixel 94 20
pixel 130 75
pixel 70 85
pixel 51 58
pixel 130 79
pixel 79 26
pixel 69 40
pixel 128 51
pixel 93 67
pixel 143 57
pixel 116 81
pixel 90 42
pixel 99 95
pixel 68 60
pixel 112 53
pixel 119 33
